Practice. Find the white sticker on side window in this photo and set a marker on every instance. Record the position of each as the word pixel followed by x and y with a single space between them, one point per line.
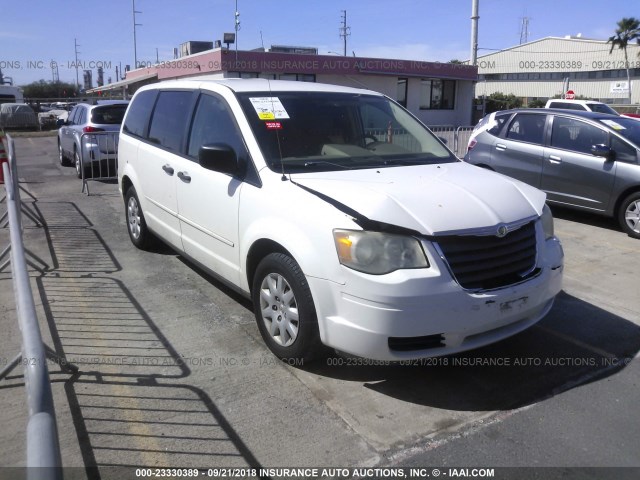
pixel 613 124
pixel 269 108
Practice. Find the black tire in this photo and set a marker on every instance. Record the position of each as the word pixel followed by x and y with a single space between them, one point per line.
pixel 77 163
pixel 139 234
pixel 61 156
pixel 629 215
pixel 278 274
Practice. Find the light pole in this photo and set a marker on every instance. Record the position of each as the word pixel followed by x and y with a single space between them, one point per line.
pixel 474 32
pixel 75 43
pixel 345 31
pixel 237 27
pixel 474 50
pixel 135 45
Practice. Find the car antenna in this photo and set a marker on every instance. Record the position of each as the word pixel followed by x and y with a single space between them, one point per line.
pixel 273 109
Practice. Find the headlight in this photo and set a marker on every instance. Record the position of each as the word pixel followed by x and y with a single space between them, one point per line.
pixel 378 253
pixel 547 222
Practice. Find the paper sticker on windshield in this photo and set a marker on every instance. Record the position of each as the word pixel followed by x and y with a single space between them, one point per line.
pixel 269 108
pixel 613 124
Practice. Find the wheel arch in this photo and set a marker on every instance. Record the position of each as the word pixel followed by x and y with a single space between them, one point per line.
pixel 624 194
pixel 125 184
pixel 259 250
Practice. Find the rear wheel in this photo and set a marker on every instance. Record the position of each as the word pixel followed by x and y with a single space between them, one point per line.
pixel 139 234
pixel 77 162
pixel 284 309
pixel 629 215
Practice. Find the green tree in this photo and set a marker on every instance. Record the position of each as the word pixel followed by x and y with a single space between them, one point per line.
pixel 499 101
pixel 44 89
pixel 628 30
pixel 536 104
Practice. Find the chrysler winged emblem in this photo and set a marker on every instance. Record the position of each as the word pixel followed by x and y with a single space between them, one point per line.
pixel 501 231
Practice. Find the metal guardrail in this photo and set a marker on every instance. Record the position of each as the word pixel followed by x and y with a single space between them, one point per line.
pixel 463 134
pixel 455 138
pixel 43 448
pixel 98 157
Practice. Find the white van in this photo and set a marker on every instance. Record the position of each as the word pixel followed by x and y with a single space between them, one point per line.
pixel 344 219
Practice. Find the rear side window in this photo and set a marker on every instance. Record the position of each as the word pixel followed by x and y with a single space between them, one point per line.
pixel 139 113
pixel 108 114
pixel 73 115
pixel 527 128
pixel 498 123
pixel 81 118
pixel 170 117
pixel 575 135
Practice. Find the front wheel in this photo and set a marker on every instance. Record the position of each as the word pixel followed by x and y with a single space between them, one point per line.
pixel 61 155
pixel 136 225
pixel 284 309
pixel 629 215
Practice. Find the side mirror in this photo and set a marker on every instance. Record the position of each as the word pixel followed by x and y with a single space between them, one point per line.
pixel 60 122
pixel 602 150
pixel 220 157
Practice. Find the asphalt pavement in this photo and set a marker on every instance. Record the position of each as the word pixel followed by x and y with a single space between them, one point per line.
pixel 174 374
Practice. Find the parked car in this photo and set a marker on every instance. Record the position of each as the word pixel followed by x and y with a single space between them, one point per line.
pixel 343 218
pixel 580 105
pixel 98 151
pixel 51 118
pixel 583 160
pixel 17 115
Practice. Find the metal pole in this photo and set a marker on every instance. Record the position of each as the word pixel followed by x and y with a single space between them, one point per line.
pixel 474 32
pixel 135 44
pixel 75 42
pixel 237 27
pixel 345 33
pixel 43 447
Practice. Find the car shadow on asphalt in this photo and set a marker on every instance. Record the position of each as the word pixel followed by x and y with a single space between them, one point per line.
pixel 577 343
pixel 585 217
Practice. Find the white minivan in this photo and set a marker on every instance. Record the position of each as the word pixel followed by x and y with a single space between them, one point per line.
pixel 344 219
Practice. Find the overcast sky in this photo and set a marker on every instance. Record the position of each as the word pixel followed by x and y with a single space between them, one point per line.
pixel 34 32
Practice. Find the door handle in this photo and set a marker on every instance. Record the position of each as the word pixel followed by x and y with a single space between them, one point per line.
pixel 168 169
pixel 501 147
pixel 555 159
pixel 184 176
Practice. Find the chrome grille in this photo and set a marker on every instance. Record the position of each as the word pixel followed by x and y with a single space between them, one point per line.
pixel 487 262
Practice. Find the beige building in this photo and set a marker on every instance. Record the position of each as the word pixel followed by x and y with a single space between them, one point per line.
pixel 538 69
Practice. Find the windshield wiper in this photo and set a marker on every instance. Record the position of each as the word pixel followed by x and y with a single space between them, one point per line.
pixel 316 163
pixel 416 161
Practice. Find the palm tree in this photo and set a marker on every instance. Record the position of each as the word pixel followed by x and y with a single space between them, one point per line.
pixel 628 30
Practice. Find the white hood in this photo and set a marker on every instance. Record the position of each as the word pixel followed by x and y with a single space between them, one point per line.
pixel 430 199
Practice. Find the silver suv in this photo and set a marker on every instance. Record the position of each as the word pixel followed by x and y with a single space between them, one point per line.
pixel 75 142
pixel 584 160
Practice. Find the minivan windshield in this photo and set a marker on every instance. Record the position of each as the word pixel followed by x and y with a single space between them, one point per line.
pixel 324 131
